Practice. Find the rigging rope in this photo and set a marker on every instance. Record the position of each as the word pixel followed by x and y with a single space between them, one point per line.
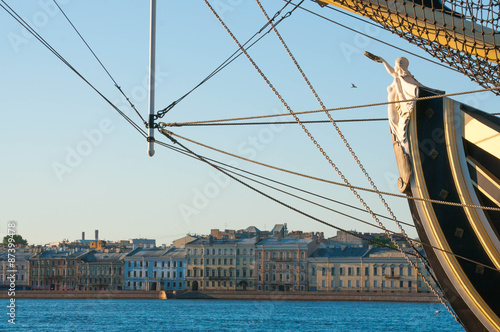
pixel 464 36
pixel 348 146
pixel 25 25
pixel 333 182
pixel 102 65
pixel 179 124
pixel 268 123
pixel 229 60
pixel 228 173
pixel 371 37
pixel 227 166
pixel 330 161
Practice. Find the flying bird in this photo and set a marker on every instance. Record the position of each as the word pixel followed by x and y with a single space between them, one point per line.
pixel 353 86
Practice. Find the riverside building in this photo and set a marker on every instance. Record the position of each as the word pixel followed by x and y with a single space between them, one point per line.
pixel 55 270
pixel 363 269
pixel 20 268
pixel 221 264
pixel 282 263
pixel 155 269
pixel 101 271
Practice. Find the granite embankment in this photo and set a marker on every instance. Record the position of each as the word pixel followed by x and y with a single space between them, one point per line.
pixel 227 295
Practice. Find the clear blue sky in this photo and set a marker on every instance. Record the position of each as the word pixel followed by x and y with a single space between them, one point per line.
pixel 50 118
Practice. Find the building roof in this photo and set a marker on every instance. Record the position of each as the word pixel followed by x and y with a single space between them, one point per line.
pixel 278 228
pixel 19 255
pixel 285 241
pixel 252 229
pixel 207 241
pixel 103 257
pixel 343 251
pixel 156 252
pixel 346 251
pixel 68 254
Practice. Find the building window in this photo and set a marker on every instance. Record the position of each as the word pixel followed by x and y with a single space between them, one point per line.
pixel 349 284
pixel 375 284
pixel 333 284
pixel 375 270
pixel 313 270
pixel 358 271
pixel 332 271
pixel 367 271
pixel 409 270
pixel 323 272
pixel 349 271
pixel 401 284
pixel 357 284
pixel 341 283
pixel 341 271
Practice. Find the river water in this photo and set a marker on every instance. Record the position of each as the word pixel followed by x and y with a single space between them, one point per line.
pixel 225 315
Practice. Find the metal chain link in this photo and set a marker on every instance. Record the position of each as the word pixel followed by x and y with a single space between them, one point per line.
pixel 424 263
pixel 326 156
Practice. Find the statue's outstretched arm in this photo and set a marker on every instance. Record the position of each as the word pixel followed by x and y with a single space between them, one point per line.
pixel 375 58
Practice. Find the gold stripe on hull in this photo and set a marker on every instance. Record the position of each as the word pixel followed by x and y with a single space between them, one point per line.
pixel 458 165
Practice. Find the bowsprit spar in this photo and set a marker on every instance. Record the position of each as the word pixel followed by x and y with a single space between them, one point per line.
pixel 463 34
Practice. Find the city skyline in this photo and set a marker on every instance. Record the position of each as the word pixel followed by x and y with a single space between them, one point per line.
pixel 70 164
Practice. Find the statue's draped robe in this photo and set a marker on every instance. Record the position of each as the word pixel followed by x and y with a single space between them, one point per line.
pixel 404 87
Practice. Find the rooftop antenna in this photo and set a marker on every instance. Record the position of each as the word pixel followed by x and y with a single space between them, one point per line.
pixel 152 51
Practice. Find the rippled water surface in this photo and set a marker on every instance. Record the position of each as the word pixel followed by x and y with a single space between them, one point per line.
pixel 216 315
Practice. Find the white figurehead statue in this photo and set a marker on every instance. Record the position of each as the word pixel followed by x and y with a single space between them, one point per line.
pixel 403 87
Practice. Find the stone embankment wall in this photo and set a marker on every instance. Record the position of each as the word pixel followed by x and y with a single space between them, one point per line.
pixel 228 295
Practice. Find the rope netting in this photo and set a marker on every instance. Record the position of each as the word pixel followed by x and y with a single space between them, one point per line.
pixel 463 34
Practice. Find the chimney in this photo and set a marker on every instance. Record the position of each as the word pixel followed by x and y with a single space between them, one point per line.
pixel 97 235
pixel 83 236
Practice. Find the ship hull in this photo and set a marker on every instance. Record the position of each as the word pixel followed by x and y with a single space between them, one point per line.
pixel 455 157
